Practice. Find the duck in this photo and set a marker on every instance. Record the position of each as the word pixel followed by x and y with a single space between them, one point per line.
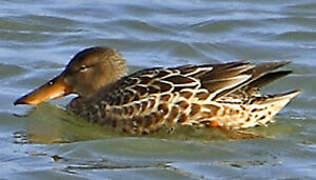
pixel 225 95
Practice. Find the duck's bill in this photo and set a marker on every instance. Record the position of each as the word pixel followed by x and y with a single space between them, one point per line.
pixel 53 89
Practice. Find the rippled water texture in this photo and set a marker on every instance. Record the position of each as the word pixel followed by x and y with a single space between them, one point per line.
pixel 37 38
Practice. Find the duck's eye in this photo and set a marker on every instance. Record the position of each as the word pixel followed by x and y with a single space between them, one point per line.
pixel 83 67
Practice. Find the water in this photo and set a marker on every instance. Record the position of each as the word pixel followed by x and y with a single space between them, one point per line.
pixel 37 39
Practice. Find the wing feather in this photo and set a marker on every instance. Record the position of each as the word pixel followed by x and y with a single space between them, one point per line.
pixel 218 79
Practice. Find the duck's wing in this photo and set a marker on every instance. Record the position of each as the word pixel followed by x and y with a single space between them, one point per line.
pixel 228 78
pixel 217 79
pixel 268 78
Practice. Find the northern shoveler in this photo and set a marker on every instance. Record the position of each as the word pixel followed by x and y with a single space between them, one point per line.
pixel 212 95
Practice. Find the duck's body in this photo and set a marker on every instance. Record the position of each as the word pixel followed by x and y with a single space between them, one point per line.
pixel 212 95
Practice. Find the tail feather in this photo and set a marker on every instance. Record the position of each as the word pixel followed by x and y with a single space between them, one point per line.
pixel 286 97
pixel 270 107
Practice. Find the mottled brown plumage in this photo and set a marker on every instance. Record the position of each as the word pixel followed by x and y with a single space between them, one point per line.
pixel 211 95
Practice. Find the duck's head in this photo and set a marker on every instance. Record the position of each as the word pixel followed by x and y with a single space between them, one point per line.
pixel 87 72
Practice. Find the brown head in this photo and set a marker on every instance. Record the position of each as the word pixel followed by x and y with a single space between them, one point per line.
pixel 87 72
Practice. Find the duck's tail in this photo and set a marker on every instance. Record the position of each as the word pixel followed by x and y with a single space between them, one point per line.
pixel 262 110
